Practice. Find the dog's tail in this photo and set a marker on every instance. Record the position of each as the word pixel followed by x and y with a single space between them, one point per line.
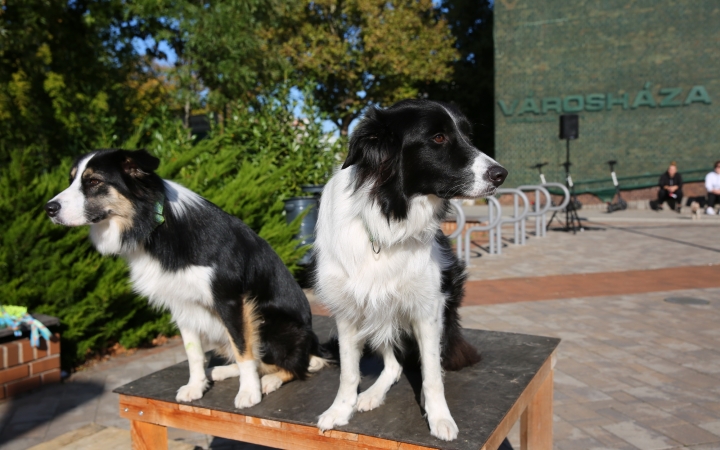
pixel 324 355
pixel 457 352
pixel 317 364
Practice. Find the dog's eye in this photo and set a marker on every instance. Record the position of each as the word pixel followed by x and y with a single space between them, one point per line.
pixel 93 182
pixel 439 138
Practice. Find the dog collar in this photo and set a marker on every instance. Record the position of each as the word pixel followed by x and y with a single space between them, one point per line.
pixel 372 239
pixel 159 207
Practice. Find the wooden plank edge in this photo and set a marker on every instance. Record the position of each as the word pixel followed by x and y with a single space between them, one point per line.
pixel 147 436
pixel 513 415
pixel 239 427
pixel 536 422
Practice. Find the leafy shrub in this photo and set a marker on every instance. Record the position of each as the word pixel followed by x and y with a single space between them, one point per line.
pixel 262 156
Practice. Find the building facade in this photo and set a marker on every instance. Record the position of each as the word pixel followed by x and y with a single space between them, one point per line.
pixel 643 76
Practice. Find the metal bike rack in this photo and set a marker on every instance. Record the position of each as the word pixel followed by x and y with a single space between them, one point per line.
pixel 460 221
pixel 494 218
pixel 538 213
pixel 559 207
pixel 516 217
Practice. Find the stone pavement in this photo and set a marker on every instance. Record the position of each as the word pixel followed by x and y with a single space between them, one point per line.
pixel 84 398
pixel 633 371
pixel 618 246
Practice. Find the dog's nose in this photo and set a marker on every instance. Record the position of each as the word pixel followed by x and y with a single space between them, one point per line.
pixel 52 208
pixel 496 175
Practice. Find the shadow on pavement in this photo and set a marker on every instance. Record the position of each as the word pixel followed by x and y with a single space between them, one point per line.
pixel 22 414
pixel 662 238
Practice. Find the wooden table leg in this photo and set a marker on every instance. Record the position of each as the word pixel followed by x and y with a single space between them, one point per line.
pixel 148 436
pixel 536 423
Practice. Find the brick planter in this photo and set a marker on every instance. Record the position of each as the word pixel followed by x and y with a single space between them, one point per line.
pixel 23 367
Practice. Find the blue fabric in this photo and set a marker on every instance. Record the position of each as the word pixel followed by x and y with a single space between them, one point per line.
pixel 37 329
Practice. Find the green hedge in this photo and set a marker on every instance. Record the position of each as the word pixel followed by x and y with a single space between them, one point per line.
pixel 260 157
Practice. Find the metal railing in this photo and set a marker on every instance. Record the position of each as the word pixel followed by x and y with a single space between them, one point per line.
pixel 494 218
pixel 515 218
pixel 460 221
pixel 538 212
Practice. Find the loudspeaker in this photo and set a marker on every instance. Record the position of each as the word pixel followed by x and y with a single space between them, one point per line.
pixel 569 126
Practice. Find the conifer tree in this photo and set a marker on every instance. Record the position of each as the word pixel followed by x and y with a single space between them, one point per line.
pixel 263 156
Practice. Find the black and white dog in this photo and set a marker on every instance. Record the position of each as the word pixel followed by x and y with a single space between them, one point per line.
pixel 384 269
pixel 222 283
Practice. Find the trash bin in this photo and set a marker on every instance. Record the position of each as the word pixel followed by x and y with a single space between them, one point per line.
pixel 297 205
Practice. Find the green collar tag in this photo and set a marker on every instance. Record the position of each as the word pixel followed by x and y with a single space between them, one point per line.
pixel 159 207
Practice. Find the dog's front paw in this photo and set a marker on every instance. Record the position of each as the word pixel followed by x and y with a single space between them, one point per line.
pixel 219 373
pixel 334 417
pixel 370 400
pixel 443 428
pixel 270 383
pixel 192 391
pixel 248 398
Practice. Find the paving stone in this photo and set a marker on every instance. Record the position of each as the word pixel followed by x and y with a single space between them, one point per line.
pixel 606 439
pixel 576 412
pixel 691 377
pixel 713 427
pixel 20 443
pixel 712 446
pixel 188 437
pixel 576 438
pixel 563 379
pixel 639 436
pixel 688 434
pixel 693 413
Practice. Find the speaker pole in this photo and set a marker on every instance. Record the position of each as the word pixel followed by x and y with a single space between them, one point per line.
pixel 569 129
pixel 572 221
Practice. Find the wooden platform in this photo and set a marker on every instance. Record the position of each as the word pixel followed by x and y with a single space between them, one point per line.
pixel 514 379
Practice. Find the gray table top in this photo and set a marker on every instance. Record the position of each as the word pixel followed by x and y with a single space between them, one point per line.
pixel 478 396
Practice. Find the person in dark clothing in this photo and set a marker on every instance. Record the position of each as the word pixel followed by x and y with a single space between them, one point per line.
pixel 670 191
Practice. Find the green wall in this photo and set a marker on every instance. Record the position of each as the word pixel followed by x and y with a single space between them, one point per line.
pixel 659 59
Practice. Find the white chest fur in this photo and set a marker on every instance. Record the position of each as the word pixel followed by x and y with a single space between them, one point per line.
pixel 186 293
pixel 107 237
pixel 382 293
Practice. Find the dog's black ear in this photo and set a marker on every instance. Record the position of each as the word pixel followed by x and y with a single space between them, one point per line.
pixel 370 140
pixel 139 163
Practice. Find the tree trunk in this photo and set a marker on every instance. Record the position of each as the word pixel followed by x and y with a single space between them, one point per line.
pixel 186 119
pixel 345 124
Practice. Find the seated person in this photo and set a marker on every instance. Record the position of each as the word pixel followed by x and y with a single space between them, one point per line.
pixel 712 184
pixel 670 191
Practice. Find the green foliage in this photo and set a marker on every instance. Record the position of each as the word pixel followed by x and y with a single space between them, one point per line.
pixel 263 156
pixel 219 47
pixel 362 52
pixel 65 68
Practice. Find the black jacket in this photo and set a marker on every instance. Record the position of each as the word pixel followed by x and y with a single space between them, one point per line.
pixel 666 180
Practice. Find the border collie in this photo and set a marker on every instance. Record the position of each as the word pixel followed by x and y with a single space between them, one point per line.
pixel 221 282
pixel 384 269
